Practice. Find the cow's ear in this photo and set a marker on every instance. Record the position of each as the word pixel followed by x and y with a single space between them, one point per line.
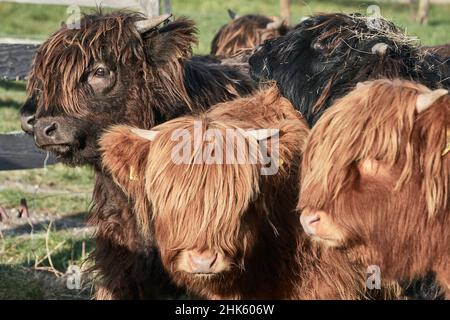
pixel 426 100
pixel 172 41
pixel 124 155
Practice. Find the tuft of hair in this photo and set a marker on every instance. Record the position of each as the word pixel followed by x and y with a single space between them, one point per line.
pixel 244 33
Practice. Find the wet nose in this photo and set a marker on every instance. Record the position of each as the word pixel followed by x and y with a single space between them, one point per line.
pixel 27 123
pixel 50 130
pixel 309 221
pixel 202 262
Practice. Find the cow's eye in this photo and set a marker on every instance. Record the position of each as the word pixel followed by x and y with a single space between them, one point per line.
pixel 101 72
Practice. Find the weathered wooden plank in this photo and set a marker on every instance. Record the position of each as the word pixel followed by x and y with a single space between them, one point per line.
pixel 16 60
pixel 18 151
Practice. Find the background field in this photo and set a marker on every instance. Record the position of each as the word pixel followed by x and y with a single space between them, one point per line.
pixel 62 194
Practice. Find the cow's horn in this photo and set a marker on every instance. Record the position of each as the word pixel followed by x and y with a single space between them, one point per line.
pixel 274 25
pixel 380 49
pixel 233 15
pixel 425 100
pixel 146 134
pixel 145 25
pixel 262 134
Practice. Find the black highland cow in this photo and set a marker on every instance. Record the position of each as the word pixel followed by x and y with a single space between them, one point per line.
pixel 328 54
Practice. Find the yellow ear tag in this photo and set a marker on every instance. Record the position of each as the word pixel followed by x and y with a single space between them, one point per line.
pixel 133 176
pixel 447 146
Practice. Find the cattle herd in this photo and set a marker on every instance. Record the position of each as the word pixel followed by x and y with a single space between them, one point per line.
pixel 338 132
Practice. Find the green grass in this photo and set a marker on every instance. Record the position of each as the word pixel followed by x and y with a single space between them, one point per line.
pixel 65 192
pixel 12 96
pixel 57 176
pixel 22 256
pixel 57 190
pixel 26 249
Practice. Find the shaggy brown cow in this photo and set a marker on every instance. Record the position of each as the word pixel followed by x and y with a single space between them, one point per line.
pixel 119 68
pixel 376 178
pixel 246 32
pixel 226 229
pixel 443 50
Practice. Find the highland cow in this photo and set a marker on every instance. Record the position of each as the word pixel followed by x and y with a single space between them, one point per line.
pixel 375 179
pixel 119 68
pixel 443 50
pixel 324 57
pixel 228 230
pixel 245 33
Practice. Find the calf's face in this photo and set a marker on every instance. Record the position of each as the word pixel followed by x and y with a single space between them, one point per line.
pixel 378 182
pixel 206 216
pixel 84 80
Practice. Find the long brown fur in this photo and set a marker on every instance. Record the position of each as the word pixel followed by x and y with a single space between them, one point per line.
pixel 232 208
pixel 376 167
pixel 244 33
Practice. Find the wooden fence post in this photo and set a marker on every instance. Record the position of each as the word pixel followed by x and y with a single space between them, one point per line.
pixel 150 7
pixel 422 13
pixel 285 10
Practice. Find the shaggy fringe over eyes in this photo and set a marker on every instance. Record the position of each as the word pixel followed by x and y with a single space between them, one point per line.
pixel 379 121
pixel 62 61
pixel 244 33
pixel 174 189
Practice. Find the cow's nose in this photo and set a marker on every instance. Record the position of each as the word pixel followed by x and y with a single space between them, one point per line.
pixel 202 262
pixel 50 130
pixel 309 221
pixel 27 123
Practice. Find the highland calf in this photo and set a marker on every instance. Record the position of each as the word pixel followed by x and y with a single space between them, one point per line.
pixel 376 179
pixel 119 68
pixel 246 33
pixel 324 57
pixel 228 230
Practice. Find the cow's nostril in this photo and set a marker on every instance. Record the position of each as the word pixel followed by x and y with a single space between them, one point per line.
pixel 202 262
pixel 27 123
pixel 50 130
pixel 30 120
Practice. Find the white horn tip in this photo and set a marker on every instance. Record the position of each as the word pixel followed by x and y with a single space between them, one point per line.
pixel 146 134
pixel 262 134
pixel 380 49
pixel 147 24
